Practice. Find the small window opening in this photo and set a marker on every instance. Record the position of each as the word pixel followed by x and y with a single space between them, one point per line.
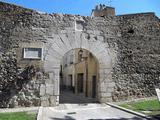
pixel 131 31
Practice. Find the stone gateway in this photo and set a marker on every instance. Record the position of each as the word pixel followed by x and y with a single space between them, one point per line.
pixel 32 45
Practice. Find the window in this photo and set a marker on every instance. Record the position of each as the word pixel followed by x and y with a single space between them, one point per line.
pixel 32 53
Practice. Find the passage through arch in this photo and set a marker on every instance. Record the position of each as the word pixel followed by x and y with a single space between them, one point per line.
pixel 79 77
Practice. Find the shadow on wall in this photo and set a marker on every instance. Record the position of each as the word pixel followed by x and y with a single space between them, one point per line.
pixel 18 88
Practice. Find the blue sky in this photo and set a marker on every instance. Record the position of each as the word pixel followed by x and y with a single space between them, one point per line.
pixel 84 7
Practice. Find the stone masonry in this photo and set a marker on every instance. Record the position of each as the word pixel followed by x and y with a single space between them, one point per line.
pixel 127 48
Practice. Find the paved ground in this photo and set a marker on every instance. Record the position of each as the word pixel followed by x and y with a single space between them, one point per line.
pixel 69 97
pixel 86 112
pixel 78 107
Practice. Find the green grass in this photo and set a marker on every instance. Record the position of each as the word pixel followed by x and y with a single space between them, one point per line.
pixel 17 116
pixel 153 106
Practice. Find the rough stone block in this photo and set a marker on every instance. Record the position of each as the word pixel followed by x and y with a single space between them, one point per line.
pixel 105 99
pixel 42 90
pixel 44 101
pixel 49 89
pixel 52 100
pixel 111 85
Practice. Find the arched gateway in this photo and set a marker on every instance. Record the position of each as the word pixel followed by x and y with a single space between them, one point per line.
pixel 61 43
pixel 32 45
pixel 39 42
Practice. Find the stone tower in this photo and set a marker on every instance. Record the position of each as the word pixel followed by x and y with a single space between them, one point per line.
pixel 102 10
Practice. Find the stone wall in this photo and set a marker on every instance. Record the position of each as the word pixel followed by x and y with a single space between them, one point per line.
pixel 137 70
pixel 18 88
pixel 27 86
pixel 128 45
pixel 23 82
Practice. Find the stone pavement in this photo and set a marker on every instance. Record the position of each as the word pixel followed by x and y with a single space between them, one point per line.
pixel 93 111
pixel 78 107
pixel 67 96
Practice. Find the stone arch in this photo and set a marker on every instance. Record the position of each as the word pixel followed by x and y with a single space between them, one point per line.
pixel 59 44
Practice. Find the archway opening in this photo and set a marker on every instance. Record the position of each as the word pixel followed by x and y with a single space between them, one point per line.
pixel 79 77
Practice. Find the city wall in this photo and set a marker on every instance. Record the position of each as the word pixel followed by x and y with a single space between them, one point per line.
pixel 126 46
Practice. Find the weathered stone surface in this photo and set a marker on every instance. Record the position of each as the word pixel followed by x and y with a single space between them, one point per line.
pixel 127 48
pixel 53 101
pixel 42 90
pixel 49 89
pixel 44 101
